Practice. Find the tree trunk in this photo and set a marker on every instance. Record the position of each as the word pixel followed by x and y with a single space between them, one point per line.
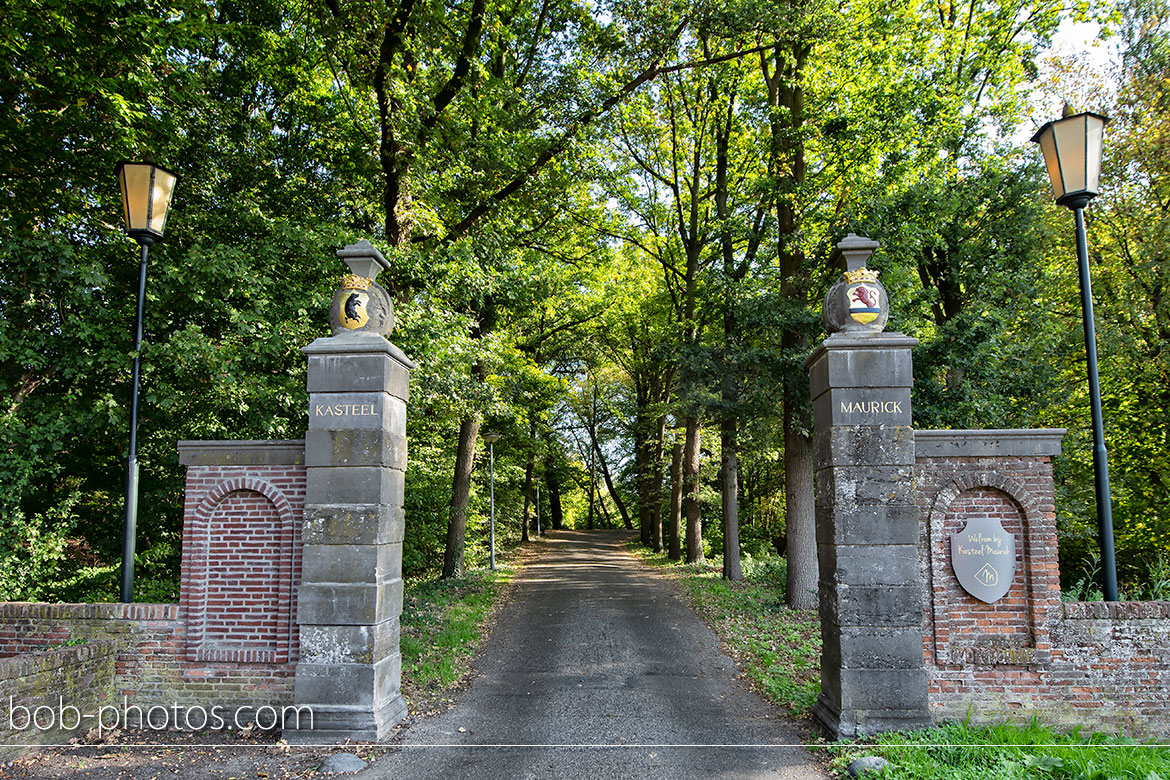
pixel 729 466
pixel 529 482
pixel 552 486
pixel 460 491
pixel 527 498
pixel 787 162
pixel 592 485
pixel 676 470
pixel 691 492
pixel 656 488
pixel 643 468
pixel 729 473
pixel 603 511
pixel 592 465
pixel 800 514
pixel 617 500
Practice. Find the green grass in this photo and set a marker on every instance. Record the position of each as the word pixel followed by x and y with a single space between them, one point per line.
pixel 443 624
pixel 958 751
pixel 777 648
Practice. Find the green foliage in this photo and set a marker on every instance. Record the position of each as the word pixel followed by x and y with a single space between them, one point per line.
pixel 32 546
pixel 959 750
pixel 1153 586
pixel 965 270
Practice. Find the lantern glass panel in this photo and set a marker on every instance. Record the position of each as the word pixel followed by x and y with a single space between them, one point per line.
pixel 1048 147
pixel 135 181
pixel 1070 142
pixel 1095 138
pixel 164 187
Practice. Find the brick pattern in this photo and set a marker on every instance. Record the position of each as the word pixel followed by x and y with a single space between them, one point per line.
pixel 1106 666
pixel 241 562
pixel 150 660
pixel 29 627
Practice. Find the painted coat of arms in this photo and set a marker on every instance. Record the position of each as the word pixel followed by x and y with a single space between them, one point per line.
pixel 865 297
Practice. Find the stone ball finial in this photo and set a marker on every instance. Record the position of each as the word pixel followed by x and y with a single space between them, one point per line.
pixel 360 304
pixel 857 302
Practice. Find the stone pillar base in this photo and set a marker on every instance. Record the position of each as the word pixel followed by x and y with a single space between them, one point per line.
pixel 336 724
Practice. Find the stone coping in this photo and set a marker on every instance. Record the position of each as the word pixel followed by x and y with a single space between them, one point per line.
pixel 50 659
pixel 103 611
pixel 860 340
pixel 1116 610
pixel 1005 443
pixel 279 452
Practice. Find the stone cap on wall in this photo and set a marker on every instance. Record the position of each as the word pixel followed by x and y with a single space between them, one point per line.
pixel 279 452
pixel 865 341
pixel 42 610
pixel 1116 610
pixel 1005 443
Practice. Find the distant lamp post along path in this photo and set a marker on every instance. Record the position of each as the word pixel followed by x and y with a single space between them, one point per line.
pixel 491 439
pixel 146 198
pixel 1072 153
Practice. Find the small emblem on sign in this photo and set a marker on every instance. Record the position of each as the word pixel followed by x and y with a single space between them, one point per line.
pixel 988 577
pixel 983 556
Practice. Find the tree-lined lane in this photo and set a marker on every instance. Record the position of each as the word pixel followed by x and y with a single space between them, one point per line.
pixel 595 669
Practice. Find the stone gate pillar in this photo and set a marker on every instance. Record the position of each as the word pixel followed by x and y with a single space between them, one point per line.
pixel 871 595
pixel 350 597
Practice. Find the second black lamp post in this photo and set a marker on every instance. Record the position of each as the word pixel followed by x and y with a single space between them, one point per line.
pixel 1072 149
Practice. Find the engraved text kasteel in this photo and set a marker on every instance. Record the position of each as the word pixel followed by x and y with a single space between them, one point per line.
pixel 345 410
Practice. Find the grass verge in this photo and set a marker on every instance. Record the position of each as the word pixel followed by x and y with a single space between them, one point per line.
pixel 958 751
pixel 444 622
pixel 777 648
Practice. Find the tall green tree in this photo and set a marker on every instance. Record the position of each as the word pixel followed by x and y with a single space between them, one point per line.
pixel 1128 240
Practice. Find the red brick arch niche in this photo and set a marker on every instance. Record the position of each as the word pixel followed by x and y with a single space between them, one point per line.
pixel 241 554
pixel 968 630
pixel 970 644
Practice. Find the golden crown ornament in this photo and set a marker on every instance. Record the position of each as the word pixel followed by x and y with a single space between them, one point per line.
pixel 856 304
pixel 860 275
pixel 355 282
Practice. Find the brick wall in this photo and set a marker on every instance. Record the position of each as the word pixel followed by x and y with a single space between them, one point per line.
pixel 1099 666
pixel 150 665
pixel 231 641
pixel 57 679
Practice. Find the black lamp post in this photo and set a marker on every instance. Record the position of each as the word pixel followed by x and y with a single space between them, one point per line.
pixel 491 439
pixel 146 198
pixel 1072 153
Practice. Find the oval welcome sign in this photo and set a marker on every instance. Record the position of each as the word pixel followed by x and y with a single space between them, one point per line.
pixel 983 556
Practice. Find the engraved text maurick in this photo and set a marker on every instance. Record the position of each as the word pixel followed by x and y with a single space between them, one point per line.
pixel 871 407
